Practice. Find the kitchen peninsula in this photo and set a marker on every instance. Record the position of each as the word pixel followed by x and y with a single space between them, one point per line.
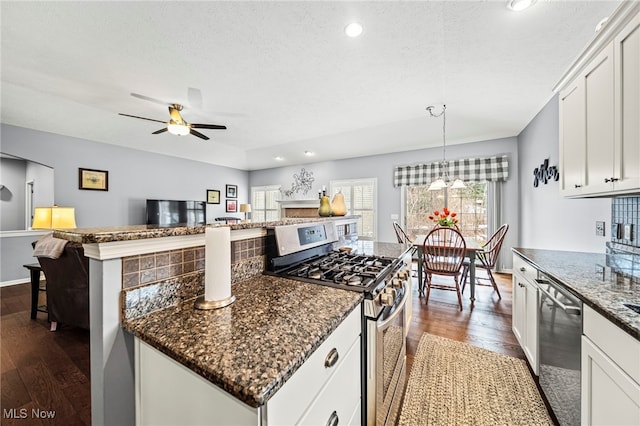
pixel 139 270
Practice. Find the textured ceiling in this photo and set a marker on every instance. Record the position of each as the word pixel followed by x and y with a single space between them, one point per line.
pixel 283 77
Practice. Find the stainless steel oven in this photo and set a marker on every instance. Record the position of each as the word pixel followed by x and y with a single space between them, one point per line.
pixel 386 363
pixel 559 333
pixel 305 252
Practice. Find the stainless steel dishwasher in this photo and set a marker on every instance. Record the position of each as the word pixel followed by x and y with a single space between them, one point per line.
pixel 559 333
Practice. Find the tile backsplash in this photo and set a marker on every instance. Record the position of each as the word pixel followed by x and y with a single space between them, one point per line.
pixel 158 280
pixel 625 216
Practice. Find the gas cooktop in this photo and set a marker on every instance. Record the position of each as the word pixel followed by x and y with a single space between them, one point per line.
pixel 344 270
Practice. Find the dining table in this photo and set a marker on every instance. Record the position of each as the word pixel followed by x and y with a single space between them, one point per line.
pixel 472 248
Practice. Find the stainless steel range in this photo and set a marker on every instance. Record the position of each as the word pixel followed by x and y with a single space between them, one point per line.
pixel 305 252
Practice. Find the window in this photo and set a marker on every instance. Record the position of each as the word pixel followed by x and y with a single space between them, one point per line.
pixel 264 206
pixel 471 204
pixel 360 197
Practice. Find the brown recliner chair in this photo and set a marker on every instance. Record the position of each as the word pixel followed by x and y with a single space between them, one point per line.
pixel 67 287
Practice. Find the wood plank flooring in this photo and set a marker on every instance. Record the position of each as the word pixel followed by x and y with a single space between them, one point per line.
pixel 49 371
pixel 45 375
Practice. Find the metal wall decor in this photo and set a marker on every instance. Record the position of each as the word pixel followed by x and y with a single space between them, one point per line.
pixel 301 182
pixel 545 173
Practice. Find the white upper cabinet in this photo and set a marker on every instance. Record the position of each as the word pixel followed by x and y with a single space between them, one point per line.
pixel 627 109
pixel 600 113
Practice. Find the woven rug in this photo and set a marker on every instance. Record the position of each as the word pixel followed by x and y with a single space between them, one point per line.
pixel 454 383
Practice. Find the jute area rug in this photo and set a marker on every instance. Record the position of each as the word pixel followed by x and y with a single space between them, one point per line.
pixel 454 383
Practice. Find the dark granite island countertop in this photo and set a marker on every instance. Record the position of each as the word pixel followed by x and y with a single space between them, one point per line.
pixel 108 234
pixel 585 274
pixel 253 346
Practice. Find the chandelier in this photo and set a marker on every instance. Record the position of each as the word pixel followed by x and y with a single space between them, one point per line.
pixel 443 181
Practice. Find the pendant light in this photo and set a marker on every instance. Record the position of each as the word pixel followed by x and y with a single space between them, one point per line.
pixel 443 181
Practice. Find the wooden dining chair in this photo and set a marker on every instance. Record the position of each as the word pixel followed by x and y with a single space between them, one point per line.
pixel 486 260
pixel 401 236
pixel 443 253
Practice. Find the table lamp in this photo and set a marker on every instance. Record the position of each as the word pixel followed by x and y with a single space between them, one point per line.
pixel 54 217
pixel 245 208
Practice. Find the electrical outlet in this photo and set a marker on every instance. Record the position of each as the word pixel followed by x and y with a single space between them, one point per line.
pixel 600 229
pixel 395 216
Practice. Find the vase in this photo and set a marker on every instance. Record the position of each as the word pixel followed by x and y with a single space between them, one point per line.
pixel 325 207
pixel 338 208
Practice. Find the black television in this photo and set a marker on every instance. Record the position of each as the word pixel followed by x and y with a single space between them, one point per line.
pixel 176 213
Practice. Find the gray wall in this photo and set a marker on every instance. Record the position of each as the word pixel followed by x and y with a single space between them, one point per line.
pixel 134 176
pixel 12 176
pixel 554 222
pixel 389 198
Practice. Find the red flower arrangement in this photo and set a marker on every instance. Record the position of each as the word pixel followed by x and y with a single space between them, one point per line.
pixel 446 218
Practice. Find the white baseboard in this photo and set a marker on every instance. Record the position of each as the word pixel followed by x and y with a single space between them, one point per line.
pixel 14 282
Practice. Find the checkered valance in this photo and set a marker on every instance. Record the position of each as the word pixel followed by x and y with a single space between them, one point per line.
pixel 467 169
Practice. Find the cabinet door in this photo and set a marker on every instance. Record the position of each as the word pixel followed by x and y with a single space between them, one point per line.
pixel 599 110
pixel 609 396
pixel 572 138
pixel 531 324
pixel 627 71
pixel 518 308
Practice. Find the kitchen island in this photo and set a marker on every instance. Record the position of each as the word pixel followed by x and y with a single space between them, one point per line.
pixel 134 273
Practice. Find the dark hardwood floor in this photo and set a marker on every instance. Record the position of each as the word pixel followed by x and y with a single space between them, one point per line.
pixel 44 373
pixel 48 371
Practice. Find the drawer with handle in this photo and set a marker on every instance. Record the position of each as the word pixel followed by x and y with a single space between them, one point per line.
pixel 302 389
pixel 524 268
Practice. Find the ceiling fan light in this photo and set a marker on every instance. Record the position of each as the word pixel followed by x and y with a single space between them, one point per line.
pixel 178 129
pixel 458 184
pixel 437 185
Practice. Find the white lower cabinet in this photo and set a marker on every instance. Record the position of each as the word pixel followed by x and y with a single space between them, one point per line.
pixel 167 393
pixel 610 373
pixel 525 309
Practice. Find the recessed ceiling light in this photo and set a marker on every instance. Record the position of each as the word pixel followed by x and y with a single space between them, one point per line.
pixel 519 5
pixel 354 29
pixel 309 153
pixel 278 158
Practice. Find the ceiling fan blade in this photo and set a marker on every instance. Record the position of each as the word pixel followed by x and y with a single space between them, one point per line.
pixel 142 118
pixel 198 134
pixel 150 99
pixel 208 126
pixel 157 132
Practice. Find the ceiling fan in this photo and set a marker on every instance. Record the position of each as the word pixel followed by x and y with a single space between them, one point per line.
pixel 176 124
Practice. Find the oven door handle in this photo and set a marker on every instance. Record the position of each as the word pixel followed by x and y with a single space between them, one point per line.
pixel 399 309
pixel 556 301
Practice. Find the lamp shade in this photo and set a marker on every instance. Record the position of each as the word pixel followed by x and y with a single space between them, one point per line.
pixel 245 208
pixel 54 217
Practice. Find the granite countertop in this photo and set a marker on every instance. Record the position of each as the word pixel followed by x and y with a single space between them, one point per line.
pixel 586 275
pixel 138 232
pixel 253 346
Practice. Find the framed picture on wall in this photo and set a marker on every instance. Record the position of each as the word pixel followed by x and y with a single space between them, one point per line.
pixel 232 191
pixel 97 180
pixel 232 206
pixel 213 196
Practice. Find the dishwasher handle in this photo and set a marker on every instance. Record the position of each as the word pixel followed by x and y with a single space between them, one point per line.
pixel 575 309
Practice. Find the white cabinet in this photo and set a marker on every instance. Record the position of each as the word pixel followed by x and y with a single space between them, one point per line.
pixel 326 386
pixel 525 309
pixel 600 117
pixel 610 373
pixel 627 108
